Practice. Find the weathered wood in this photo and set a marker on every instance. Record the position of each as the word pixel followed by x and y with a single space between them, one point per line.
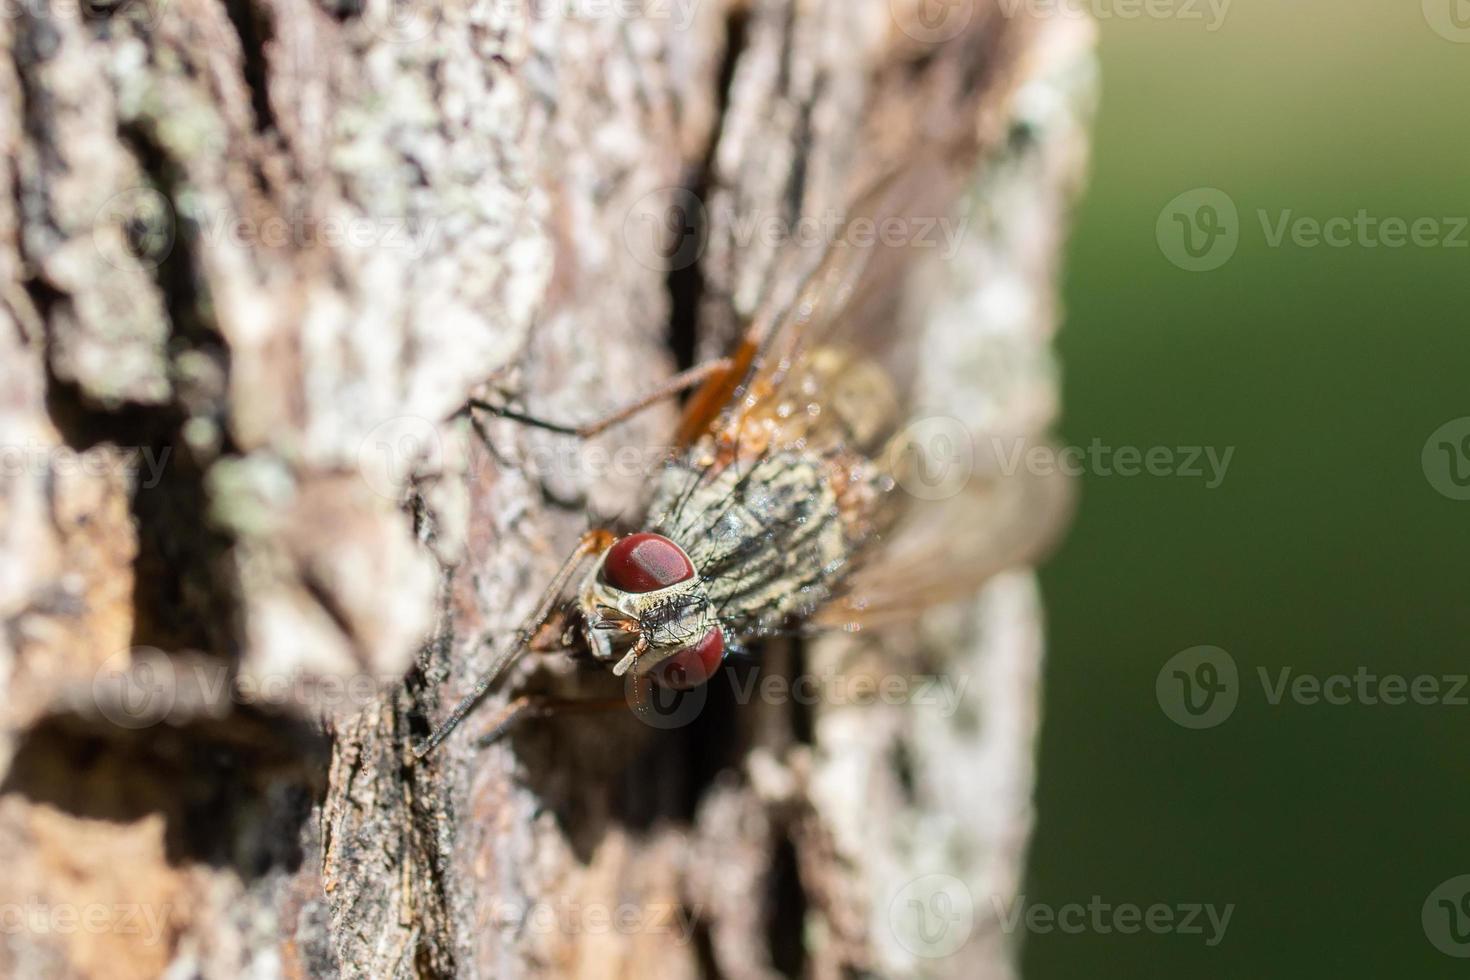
pixel 253 255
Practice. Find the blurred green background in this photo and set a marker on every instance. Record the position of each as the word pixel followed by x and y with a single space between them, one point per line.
pixel 1325 549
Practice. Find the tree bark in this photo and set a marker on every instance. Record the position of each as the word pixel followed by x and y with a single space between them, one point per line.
pixel 253 254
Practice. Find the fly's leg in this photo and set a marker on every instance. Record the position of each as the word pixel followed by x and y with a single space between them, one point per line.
pixel 536 706
pixel 593 542
pixel 680 382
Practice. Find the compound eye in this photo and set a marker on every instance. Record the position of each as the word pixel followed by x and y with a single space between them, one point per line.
pixel 646 563
pixel 692 666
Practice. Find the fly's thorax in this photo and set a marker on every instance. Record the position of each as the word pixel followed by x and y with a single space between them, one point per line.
pixel 772 534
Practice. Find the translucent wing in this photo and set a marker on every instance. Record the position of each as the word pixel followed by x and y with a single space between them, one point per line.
pixel 849 301
pixel 939 551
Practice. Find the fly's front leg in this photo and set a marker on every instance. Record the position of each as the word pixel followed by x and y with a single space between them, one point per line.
pixel 680 382
pixel 592 543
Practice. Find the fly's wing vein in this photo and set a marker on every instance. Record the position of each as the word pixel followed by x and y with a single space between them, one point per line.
pixel 940 551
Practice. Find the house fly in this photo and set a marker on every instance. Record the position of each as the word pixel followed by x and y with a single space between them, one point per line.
pixel 783 505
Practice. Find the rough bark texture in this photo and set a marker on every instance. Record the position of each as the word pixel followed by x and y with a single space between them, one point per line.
pixel 252 254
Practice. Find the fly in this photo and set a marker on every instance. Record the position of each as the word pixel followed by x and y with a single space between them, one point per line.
pixel 783 505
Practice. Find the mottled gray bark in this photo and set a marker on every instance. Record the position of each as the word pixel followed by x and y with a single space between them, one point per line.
pixel 253 255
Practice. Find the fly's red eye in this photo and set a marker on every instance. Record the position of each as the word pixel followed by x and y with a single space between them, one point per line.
pixel 694 665
pixel 645 563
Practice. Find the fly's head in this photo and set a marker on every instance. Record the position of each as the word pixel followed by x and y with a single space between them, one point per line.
pixel 647 611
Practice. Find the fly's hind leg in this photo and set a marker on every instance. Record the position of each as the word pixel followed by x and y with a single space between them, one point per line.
pixel 675 385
